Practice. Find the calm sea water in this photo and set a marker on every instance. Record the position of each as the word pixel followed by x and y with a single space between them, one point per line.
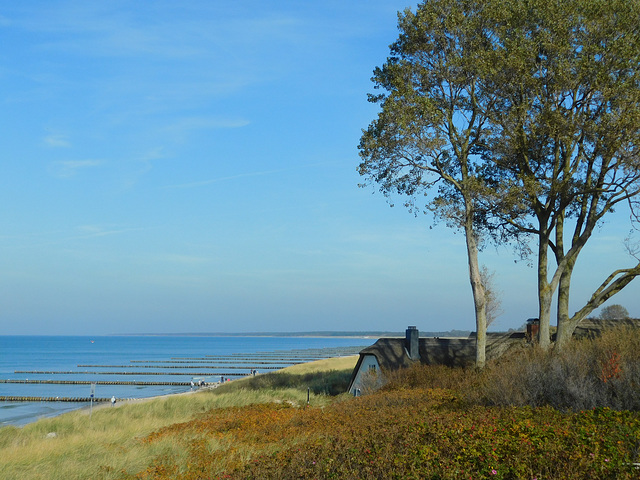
pixel 113 353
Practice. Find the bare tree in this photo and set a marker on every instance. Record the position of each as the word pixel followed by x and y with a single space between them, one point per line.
pixel 493 300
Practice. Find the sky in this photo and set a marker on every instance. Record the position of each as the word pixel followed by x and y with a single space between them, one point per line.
pixel 176 167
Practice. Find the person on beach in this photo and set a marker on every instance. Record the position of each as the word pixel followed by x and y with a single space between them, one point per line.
pixel 113 400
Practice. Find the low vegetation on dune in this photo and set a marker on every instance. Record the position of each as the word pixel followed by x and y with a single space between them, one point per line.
pixel 107 443
pixel 426 422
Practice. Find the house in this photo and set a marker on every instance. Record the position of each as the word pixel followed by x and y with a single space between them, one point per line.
pixel 591 327
pixel 389 354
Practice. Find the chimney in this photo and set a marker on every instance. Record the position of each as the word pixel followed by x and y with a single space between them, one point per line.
pixel 533 329
pixel 412 344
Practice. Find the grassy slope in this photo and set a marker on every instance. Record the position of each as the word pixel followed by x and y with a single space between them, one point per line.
pixel 421 425
pixel 338 363
pixel 108 443
pixel 405 431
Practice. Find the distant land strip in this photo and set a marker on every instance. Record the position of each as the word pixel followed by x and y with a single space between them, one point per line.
pixel 366 334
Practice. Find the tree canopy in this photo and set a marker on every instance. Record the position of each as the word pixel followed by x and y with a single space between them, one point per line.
pixel 567 134
pixel 514 118
pixel 432 123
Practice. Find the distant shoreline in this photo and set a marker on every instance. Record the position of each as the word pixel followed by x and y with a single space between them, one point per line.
pixel 317 334
pixel 327 334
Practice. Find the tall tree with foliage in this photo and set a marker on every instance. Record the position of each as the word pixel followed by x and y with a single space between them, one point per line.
pixel 426 138
pixel 567 134
pixel 548 92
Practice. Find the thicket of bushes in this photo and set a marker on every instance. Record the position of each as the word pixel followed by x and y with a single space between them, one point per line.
pixel 603 372
pixel 588 373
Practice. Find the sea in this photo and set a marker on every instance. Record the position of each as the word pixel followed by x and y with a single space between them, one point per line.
pixel 126 367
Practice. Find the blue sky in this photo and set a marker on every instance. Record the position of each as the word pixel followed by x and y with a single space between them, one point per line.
pixel 191 167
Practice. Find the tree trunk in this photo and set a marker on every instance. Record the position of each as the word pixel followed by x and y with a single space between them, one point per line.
pixel 565 326
pixel 564 285
pixel 477 289
pixel 545 293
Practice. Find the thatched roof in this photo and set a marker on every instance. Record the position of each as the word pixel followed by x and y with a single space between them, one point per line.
pixel 392 354
pixel 590 327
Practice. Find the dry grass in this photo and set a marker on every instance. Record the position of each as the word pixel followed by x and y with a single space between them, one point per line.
pixel 108 443
pixel 337 363
pixel 604 372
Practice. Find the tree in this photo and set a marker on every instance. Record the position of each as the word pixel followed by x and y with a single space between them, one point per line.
pixel 514 118
pixel 567 134
pixel 493 302
pixel 614 312
pixel 425 139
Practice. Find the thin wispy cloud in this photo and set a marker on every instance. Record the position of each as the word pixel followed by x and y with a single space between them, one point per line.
pixel 57 141
pixel 182 127
pixel 227 178
pixel 207 123
pixel 199 31
pixel 260 173
pixel 57 238
pixel 69 168
pixel 142 165
pixel 94 231
pixel 183 259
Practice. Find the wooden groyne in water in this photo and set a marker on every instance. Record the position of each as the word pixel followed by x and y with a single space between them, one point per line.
pixel 285 360
pixel 178 367
pixel 233 362
pixel 87 382
pixel 57 399
pixel 142 374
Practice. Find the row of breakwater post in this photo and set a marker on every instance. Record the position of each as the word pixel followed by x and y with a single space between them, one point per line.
pixel 209 360
pixel 249 357
pixel 79 372
pixel 9 398
pixel 97 382
pixel 177 367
